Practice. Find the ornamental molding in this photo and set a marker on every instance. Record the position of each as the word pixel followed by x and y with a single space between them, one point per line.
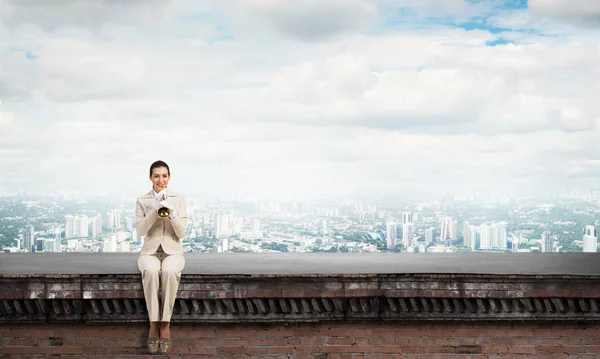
pixel 314 298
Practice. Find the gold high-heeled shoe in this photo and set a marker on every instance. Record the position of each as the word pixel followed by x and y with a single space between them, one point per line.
pixel 153 345
pixel 165 345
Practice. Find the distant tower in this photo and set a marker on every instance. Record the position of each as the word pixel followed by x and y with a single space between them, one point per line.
pixel 70 226
pixel 547 242
pixel 28 238
pixel 485 234
pixel 57 244
pixel 408 233
pixel 391 234
pixel 429 235
pixel 500 238
pixel 590 239
pixel 468 239
pixel 406 217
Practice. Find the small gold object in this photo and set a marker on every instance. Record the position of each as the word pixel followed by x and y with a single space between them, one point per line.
pixel 164 211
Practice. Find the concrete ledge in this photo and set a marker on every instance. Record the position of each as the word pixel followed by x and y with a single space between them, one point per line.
pixel 265 288
pixel 577 264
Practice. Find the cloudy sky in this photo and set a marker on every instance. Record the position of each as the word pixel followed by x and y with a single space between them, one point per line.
pixel 297 98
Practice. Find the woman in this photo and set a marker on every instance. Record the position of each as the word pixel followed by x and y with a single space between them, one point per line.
pixel 161 257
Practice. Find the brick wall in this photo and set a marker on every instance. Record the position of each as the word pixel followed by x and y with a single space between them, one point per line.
pixel 310 340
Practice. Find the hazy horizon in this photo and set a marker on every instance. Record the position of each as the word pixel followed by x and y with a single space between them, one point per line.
pixel 300 99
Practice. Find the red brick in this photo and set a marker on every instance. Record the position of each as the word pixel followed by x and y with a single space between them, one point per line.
pixel 281 350
pixel 15 350
pixel 334 349
pixel 230 350
pixel 365 340
pixel 413 349
pixel 203 351
pixel 386 349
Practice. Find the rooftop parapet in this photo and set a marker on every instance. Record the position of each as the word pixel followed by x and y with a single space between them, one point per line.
pixel 308 287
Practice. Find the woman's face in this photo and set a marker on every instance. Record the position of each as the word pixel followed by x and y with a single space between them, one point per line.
pixel 159 178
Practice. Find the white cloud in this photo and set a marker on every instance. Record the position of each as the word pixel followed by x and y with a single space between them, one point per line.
pixel 575 12
pixel 53 14
pixel 306 19
pixel 302 106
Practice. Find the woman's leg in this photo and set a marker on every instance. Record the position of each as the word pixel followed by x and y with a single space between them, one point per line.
pixel 149 266
pixel 172 266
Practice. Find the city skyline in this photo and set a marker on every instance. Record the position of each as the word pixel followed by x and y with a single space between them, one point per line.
pixel 304 99
pixel 445 225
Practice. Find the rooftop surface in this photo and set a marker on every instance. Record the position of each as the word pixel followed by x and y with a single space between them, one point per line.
pixel 585 264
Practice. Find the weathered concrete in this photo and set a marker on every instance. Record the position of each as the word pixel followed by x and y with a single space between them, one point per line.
pixel 586 264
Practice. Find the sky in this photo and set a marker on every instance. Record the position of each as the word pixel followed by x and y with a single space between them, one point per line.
pixel 300 99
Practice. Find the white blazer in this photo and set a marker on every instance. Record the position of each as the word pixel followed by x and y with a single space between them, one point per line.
pixel 158 231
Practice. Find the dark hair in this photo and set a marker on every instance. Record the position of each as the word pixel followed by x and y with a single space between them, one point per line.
pixel 158 164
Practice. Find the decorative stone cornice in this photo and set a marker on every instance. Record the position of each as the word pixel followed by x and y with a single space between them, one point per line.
pixel 306 298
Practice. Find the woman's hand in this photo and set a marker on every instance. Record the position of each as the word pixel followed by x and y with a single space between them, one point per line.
pixel 169 206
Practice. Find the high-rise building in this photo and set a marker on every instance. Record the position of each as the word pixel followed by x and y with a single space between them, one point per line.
pixel 590 239
pixel 115 218
pixel 70 225
pixel 110 244
pixel 429 235
pixel 57 244
pixel 476 237
pixel 500 239
pixel 225 244
pixel 485 235
pixel 134 237
pixel 28 238
pixel 453 229
pixel 408 234
pixel 406 217
pixel 83 226
pixel 93 228
pixel 515 244
pixel 50 245
pixel 443 229
pixel 547 242
pixel 391 234
pixel 222 224
pixel 99 223
pixel 493 236
pixel 39 245
pixel 76 226
pixel 468 240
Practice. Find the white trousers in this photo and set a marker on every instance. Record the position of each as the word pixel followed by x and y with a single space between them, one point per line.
pixel 166 269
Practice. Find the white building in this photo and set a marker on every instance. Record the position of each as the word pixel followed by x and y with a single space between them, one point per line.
pixel 110 244
pixel 429 235
pixel 406 217
pixel 408 234
pixel 493 236
pixel 76 226
pixel 469 235
pixel 28 237
pixel 547 242
pixel 590 239
pixel 391 234
pixel 49 245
